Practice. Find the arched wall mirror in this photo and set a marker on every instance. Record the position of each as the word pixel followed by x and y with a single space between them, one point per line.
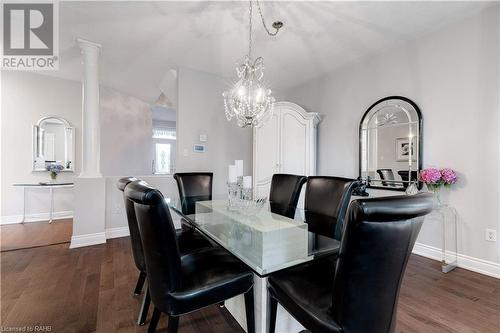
pixel 53 143
pixel 390 144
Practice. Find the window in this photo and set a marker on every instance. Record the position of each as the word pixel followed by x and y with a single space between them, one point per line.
pixel 162 164
pixel 164 133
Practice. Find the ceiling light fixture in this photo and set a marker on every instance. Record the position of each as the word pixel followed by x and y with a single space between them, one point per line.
pixel 249 100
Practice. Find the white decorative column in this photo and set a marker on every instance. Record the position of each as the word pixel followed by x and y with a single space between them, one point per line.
pixel 90 186
pixel 91 131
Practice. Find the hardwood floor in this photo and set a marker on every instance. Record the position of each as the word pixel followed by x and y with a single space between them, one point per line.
pixel 32 234
pixel 90 289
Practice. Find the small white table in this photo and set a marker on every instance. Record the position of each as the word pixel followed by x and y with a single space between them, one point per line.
pixel 50 186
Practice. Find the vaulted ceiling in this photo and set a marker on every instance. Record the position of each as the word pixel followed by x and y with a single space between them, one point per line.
pixel 141 41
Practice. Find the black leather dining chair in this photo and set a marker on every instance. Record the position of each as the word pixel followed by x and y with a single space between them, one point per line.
pixel 188 242
pixel 386 174
pixel 285 193
pixel 326 202
pixel 404 174
pixel 359 294
pixel 182 284
pixel 193 187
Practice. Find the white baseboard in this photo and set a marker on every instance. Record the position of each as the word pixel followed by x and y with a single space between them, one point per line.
pixel 477 265
pixel 87 240
pixel 117 232
pixel 12 219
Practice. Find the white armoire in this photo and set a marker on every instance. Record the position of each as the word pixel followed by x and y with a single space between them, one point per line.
pixel 285 144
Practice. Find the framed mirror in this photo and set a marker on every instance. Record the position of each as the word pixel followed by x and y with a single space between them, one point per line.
pixel 390 144
pixel 53 143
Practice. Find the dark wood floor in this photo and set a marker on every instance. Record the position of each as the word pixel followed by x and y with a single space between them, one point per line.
pixel 89 289
pixel 32 234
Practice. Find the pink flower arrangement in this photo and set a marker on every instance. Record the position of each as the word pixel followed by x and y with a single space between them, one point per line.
pixel 449 176
pixel 435 178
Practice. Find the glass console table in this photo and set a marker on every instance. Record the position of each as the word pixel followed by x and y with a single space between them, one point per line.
pixel 447 216
pixel 50 186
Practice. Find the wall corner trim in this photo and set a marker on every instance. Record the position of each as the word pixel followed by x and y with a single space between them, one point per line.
pixel 87 240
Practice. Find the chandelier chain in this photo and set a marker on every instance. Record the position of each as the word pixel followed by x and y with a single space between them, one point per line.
pixel 250 30
pixel 249 100
pixel 264 22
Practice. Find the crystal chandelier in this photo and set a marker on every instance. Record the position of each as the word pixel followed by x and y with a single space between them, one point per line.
pixel 249 100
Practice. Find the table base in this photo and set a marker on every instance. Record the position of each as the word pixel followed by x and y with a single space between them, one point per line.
pixel 284 321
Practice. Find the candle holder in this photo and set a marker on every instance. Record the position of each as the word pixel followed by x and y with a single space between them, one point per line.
pixel 246 194
pixel 241 200
pixel 232 193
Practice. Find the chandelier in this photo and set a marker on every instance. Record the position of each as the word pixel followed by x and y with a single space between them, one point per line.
pixel 249 100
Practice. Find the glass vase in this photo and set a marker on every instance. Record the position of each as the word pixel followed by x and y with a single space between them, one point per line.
pixel 436 190
pixel 53 176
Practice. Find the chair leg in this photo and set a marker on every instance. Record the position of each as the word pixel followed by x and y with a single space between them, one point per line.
pixel 173 324
pixel 155 318
pixel 249 309
pixel 272 309
pixel 143 314
pixel 140 283
pixel 221 304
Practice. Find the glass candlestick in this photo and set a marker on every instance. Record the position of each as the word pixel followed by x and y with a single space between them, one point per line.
pixel 232 193
pixel 412 189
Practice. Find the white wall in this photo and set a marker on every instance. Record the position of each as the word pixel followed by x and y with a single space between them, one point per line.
pixel 126 134
pixel 126 142
pixel 201 111
pixel 115 207
pixel 26 98
pixel 453 75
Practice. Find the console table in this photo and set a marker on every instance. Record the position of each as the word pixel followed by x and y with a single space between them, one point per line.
pixel 50 186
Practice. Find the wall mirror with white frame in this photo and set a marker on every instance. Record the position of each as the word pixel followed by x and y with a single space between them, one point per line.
pixel 390 144
pixel 53 143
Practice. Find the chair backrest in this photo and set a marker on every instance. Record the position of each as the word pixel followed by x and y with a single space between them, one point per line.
pixel 135 238
pixel 159 240
pixel 284 194
pixel 404 174
pixel 193 187
pixel 386 174
pixel 377 241
pixel 326 202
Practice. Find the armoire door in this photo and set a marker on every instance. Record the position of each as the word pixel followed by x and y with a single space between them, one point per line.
pixel 295 154
pixel 294 150
pixel 266 155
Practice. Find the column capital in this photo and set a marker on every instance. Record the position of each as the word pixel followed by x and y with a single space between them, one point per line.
pixel 87 44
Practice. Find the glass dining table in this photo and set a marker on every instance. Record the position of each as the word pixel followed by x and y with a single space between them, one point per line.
pixel 265 242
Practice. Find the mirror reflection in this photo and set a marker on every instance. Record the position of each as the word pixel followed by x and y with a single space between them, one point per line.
pixel 53 143
pixel 390 137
